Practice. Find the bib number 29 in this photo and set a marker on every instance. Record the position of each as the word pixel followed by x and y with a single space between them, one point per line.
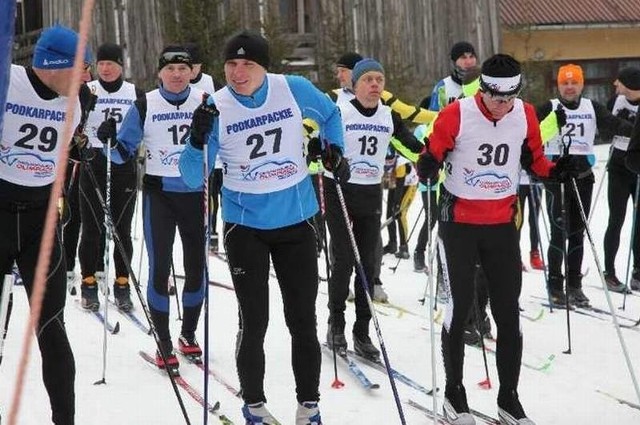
pixel 45 139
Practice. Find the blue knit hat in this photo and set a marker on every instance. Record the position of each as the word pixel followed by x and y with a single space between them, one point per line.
pixel 56 48
pixel 364 66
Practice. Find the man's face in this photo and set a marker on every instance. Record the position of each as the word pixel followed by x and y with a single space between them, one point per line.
pixel 109 71
pixel 343 75
pixel 498 106
pixel 369 87
pixel 244 76
pixel 175 77
pixel 466 61
pixel 570 90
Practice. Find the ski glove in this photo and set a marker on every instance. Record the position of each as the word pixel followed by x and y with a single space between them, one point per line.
pixel 201 123
pixel 561 117
pixel 107 132
pixel 427 167
pixel 333 161
pixel 567 168
pixel 314 148
pixel 625 114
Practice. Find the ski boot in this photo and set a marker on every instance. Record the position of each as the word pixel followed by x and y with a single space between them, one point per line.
pixel 510 411
pixel 403 252
pixel 257 414
pixel 379 294
pixel 635 279
pixel 337 340
pixel 122 294
pixel 363 346
pixel 535 260
pixel 172 364
pixel 89 294
pixel 455 407
pixel 308 413
pixel 418 262
pixel 189 347
pixel 577 297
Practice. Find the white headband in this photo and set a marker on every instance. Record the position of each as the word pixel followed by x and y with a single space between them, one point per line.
pixel 501 84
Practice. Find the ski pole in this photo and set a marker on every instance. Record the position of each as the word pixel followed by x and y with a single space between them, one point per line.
pixel 607 293
pixel 413 228
pixel 486 384
pixel 337 383
pixel 600 183
pixel 105 285
pixel 5 306
pixel 365 284
pixel 175 287
pixel 536 204
pixel 632 240
pixel 432 295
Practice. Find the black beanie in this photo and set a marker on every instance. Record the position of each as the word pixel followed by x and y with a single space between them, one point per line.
pixel 349 60
pixel 110 52
pixel 248 45
pixel 630 77
pixel 194 51
pixel 501 66
pixel 174 54
pixel 460 48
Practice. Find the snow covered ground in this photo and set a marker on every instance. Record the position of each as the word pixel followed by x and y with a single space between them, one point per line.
pixel 568 392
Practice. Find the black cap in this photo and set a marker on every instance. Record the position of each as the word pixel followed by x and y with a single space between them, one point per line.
pixel 110 52
pixel 630 77
pixel 349 60
pixel 248 45
pixel 460 48
pixel 501 66
pixel 194 51
pixel 174 54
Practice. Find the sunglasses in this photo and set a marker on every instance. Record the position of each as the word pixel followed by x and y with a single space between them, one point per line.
pixel 501 98
pixel 169 57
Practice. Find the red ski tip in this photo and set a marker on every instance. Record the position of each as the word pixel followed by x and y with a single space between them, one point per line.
pixel 485 385
pixel 337 384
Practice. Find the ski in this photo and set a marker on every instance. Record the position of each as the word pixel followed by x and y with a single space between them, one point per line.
pixel 428 412
pixel 619 400
pixel 222 381
pixel 212 283
pixel 487 419
pixel 533 318
pixel 132 318
pixel 353 368
pixel 398 376
pixel 113 329
pixel 540 366
pixel 401 311
pixel 193 393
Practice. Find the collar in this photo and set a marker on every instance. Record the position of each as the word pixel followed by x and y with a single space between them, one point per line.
pixel 113 86
pixel 39 86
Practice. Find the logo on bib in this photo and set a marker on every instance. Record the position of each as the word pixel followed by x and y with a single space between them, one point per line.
pixel 269 171
pixel 364 170
pixel 488 181
pixel 169 158
pixel 27 162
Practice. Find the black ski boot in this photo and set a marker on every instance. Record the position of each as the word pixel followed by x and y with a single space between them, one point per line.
pixel 337 340
pixel 418 262
pixel 510 411
pixel 89 294
pixel 122 294
pixel 403 252
pixel 363 346
pixel 390 248
pixel 455 407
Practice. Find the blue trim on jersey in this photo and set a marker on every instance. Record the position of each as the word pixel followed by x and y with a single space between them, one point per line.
pixel 434 104
pixel 276 209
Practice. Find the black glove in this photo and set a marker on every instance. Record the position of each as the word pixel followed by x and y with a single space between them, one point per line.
pixel 567 168
pixel 427 167
pixel 314 148
pixel 201 123
pixel 333 161
pixel 561 116
pixel 107 132
pixel 625 114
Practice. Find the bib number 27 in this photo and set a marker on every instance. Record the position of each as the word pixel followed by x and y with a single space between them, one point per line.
pixel 258 141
